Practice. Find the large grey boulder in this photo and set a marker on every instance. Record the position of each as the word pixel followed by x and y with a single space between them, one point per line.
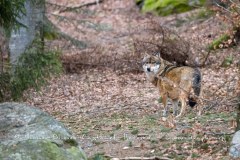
pixel 235 146
pixel 26 133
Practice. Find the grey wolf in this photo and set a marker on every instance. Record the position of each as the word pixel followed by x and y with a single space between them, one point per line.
pixel 175 83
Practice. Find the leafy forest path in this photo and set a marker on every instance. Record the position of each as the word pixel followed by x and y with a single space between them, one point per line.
pixel 107 102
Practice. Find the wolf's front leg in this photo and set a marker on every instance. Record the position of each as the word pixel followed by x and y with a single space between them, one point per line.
pixel 164 101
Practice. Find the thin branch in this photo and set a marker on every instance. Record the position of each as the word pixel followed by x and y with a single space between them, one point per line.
pixel 144 158
pixel 219 134
pixel 205 59
pixel 54 4
pixel 67 9
pixel 223 8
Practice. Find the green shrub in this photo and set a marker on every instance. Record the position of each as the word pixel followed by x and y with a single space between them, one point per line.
pixel 33 69
pixel 5 86
pixel 166 7
pixel 218 42
pixel 10 13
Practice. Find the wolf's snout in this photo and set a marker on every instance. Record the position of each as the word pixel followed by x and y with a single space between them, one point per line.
pixel 148 69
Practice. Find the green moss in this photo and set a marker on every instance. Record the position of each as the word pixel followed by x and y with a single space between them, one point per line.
pixel 70 142
pixel 165 129
pixel 204 146
pixel 195 155
pixel 227 61
pixel 135 131
pixel 33 149
pixel 74 151
pixel 191 116
pixel 51 151
pixel 227 138
pixel 85 131
pixel 98 156
pixel 150 121
pixel 154 141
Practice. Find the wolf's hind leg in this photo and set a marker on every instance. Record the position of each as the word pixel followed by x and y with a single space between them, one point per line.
pixel 175 107
pixel 183 107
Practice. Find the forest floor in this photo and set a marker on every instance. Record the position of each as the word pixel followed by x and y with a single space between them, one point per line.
pixel 118 114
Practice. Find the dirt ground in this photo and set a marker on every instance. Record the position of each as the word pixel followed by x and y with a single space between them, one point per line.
pixel 118 114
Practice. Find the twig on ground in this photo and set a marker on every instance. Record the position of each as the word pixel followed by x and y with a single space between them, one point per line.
pixel 205 59
pixel 142 158
pixel 219 134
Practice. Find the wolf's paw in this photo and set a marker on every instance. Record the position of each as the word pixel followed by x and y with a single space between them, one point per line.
pixel 164 119
pixel 165 113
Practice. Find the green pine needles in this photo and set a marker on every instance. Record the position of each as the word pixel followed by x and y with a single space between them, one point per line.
pixel 10 13
pixel 33 69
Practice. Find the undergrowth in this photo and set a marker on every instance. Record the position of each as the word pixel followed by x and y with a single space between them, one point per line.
pixel 33 69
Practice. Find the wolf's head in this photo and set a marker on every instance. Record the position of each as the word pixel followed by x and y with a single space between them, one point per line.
pixel 152 65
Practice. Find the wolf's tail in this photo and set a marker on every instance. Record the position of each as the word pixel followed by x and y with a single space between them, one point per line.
pixel 196 87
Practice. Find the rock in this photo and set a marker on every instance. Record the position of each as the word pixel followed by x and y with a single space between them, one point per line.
pixel 26 133
pixel 235 146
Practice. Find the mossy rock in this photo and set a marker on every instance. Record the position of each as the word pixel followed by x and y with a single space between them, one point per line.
pixel 27 134
pixel 40 149
pixel 234 150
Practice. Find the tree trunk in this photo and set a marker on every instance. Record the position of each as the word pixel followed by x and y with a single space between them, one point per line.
pixel 42 27
pixel 238 107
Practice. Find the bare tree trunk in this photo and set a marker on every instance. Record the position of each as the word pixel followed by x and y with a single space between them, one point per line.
pixel 238 107
pixel 42 27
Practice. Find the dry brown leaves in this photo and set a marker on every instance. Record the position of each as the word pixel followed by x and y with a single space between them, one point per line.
pixel 119 114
